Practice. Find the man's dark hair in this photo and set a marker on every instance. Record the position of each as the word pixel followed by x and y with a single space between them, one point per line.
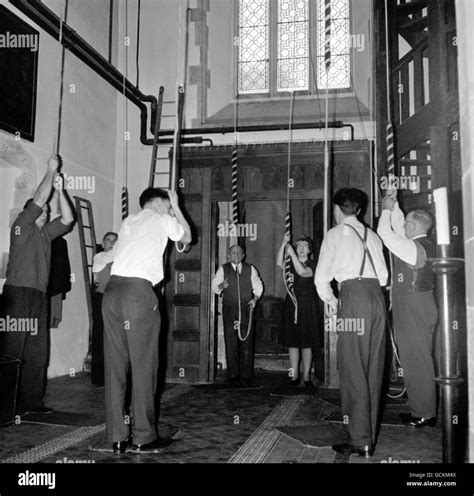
pixel 110 233
pixel 150 194
pixel 351 201
pixel 307 239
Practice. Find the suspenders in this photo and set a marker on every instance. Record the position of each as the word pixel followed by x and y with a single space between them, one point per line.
pixel 366 250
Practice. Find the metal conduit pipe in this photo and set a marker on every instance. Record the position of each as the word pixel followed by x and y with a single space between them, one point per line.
pixel 259 128
pixel 46 19
pixel 50 22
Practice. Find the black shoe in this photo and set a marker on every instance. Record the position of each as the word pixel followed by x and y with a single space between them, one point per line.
pixel 349 449
pixel 415 422
pixel 294 382
pixel 120 447
pixel 247 382
pixel 309 385
pixel 41 409
pixel 154 447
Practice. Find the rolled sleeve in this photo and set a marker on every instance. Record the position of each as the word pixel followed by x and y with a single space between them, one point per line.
pixel 257 285
pixel 403 248
pixel 175 230
pixel 323 274
pixel 217 280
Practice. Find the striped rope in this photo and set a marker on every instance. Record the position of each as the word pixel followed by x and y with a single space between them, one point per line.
pixel 290 289
pixel 327 34
pixel 235 202
pixel 124 203
pixel 390 154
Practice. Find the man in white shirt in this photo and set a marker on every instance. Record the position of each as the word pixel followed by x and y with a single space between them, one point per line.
pixel 241 288
pixel 353 255
pixel 132 319
pixel 413 304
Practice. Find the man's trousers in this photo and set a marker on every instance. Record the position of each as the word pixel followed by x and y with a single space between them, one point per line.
pixel 131 334
pixel 31 346
pixel 360 356
pixel 239 354
pixel 414 320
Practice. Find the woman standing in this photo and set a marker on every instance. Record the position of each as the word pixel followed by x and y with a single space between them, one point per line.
pixel 303 334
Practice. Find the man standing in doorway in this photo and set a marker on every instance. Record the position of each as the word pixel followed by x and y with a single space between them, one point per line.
pixel 352 254
pixel 24 293
pixel 241 288
pixel 132 319
pixel 413 304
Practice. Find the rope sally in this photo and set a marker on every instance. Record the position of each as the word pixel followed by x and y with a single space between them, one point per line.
pixel 288 275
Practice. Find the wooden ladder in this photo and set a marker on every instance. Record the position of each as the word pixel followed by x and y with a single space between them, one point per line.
pixel 87 241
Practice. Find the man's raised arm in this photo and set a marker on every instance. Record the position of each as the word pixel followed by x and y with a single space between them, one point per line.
pixel 67 215
pixel 43 191
pixel 186 238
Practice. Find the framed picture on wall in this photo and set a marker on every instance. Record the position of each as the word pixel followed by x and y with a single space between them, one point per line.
pixel 19 45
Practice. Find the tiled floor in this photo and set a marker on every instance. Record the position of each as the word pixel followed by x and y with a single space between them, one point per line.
pixel 212 426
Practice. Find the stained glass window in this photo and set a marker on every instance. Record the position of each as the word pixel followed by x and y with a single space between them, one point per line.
pixel 338 75
pixel 292 48
pixel 253 46
pixel 276 58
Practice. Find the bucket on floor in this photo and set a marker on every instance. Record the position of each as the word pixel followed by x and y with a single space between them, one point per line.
pixel 9 378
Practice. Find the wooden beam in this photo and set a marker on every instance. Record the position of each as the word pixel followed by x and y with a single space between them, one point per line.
pixel 413 131
pixel 405 9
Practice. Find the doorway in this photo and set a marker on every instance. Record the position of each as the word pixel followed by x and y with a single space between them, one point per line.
pixel 261 233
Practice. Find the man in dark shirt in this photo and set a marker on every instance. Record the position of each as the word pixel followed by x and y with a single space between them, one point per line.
pixel 25 333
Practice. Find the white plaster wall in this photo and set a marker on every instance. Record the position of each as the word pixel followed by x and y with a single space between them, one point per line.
pixel 88 148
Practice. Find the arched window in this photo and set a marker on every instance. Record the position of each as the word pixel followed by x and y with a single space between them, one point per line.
pixel 281 46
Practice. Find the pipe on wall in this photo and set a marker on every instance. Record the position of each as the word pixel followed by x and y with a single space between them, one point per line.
pixel 50 22
pixel 259 128
pixel 46 19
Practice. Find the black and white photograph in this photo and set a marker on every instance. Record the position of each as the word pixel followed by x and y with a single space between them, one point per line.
pixel 237 232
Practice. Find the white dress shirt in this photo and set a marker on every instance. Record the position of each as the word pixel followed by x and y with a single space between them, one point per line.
pixel 102 259
pixel 101 266
pixel 257 285
pixel 392 232
pixel 142 239
pixel 341 257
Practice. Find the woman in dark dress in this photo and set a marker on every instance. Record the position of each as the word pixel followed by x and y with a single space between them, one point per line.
pixel 303 335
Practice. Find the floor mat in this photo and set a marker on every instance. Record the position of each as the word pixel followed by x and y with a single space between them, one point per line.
pixel 285 390
pixel 61 418
pixel 390 417
pixel 226 387
pixel 316 435
pixel 333 397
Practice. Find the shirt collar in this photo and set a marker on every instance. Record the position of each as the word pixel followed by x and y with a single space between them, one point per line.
pixel 419 236
pixel 351 220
